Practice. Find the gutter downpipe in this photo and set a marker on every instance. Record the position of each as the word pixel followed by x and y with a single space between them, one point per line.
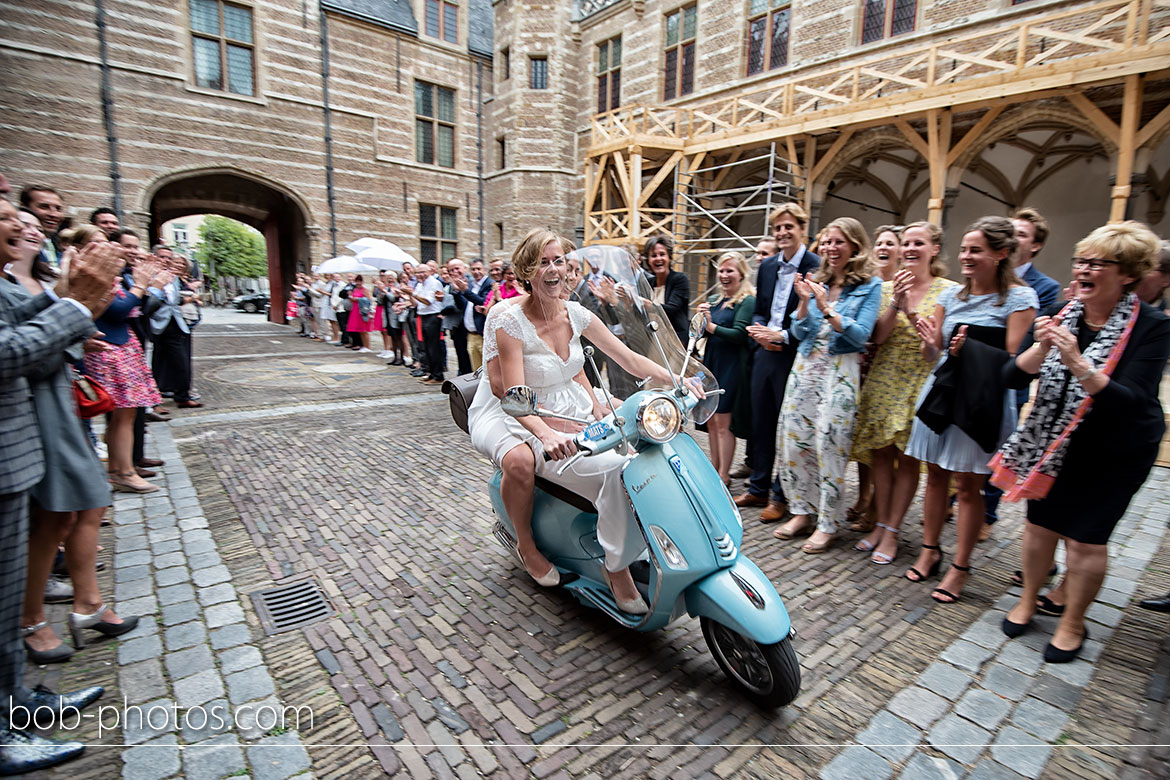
pixel 107 97
pixel 328 129
pixel 479 144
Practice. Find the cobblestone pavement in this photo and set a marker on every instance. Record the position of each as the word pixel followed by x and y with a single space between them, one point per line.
pixel 443 659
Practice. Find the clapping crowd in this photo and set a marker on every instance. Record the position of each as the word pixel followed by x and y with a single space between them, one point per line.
pixel 80 308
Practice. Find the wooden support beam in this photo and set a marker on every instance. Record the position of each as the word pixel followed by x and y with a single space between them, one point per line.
pixel 828 156
pixel 973 134
pixel 914 139
pixel 1130 114
pixel 1100 120
pixel 938 132
pixel 666 169
pixel 810 158
pixel 635 201
pixel 1153 127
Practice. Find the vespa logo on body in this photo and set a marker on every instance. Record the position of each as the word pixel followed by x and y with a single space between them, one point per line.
pixel 638 488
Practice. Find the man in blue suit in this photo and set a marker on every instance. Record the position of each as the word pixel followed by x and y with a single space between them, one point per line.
pixel 1031 233
pixel 775 352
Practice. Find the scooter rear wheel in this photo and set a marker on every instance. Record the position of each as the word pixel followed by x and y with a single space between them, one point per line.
pixel 768 674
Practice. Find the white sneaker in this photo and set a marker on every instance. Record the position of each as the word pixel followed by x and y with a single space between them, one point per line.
pixel 385 354
pixel 407 362
pixel 102 452
pixel 363 349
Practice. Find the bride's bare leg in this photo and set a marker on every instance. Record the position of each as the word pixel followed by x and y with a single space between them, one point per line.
pixel 516 489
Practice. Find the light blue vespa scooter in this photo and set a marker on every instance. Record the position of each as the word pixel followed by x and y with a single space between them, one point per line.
pixel 692 528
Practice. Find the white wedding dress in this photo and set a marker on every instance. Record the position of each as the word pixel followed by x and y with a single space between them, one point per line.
pixel 494 433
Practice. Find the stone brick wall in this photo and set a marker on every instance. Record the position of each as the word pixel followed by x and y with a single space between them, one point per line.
pixel 53 131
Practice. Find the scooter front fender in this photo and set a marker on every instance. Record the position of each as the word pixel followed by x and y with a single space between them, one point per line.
pixel 721 597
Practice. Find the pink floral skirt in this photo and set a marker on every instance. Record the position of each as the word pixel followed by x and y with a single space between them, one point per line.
pixel 122 370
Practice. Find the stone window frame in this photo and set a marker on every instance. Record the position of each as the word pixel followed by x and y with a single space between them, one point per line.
pixel 505 63
pixel 446 28
pixel 538 73
pixel 895 20
pixel 430 126
pixel 675 55
pixel 502 152
pixel 609 77
pixel 440 245
pixel 223 42
pixel 763 15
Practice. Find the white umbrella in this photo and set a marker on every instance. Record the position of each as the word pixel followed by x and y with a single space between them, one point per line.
pixel 345 265
pixel 381 254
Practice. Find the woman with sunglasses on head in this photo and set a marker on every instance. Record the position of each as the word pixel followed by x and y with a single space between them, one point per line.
pixel 997 309
pixel 1096 421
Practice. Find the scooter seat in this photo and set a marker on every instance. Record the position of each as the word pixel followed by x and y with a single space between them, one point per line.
pixel 562 493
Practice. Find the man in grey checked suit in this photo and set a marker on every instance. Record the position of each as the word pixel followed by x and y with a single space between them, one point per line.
pixel 29 334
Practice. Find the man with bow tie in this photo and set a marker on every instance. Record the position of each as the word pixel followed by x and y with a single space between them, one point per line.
pixel 775 352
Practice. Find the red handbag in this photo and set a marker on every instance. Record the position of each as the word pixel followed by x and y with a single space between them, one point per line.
pixel 92 398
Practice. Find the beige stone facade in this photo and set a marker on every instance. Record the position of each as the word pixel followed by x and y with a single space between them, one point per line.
pixel 542 155
pixel 260 158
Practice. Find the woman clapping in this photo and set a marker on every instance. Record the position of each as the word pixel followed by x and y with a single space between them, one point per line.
pixel 1096 420
pixel 833 321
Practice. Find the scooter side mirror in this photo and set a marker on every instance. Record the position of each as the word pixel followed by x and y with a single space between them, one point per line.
pixel 519 401
pixel 698 325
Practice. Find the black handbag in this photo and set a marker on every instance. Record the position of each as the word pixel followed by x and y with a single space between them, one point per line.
pixel 460 393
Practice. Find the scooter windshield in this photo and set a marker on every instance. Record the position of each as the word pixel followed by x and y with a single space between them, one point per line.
pixel 618 292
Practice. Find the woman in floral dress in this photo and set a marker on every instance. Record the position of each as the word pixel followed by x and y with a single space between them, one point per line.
pixel 837 309
pixel 890 394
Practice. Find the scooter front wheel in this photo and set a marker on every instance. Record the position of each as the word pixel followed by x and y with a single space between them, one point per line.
pixel 768 674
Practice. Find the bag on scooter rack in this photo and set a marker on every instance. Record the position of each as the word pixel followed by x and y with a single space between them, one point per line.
pixel 460 393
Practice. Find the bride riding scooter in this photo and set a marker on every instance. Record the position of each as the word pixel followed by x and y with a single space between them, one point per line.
pixel 682 521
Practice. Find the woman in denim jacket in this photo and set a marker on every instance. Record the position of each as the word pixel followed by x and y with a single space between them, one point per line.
pixel 837 311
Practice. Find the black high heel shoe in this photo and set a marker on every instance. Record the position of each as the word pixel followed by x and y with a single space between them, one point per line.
pixel 933 569
pixel 78 622
pixel 951 598
pixel 56 655
pixel 1012 630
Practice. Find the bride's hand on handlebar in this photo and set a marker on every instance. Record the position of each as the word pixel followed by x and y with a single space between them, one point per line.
pixel 557 446
pixel 695 385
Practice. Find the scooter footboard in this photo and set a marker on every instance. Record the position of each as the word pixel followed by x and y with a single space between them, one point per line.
pixel 724 597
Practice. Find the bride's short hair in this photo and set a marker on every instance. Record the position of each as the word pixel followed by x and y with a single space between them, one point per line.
pixel 526 257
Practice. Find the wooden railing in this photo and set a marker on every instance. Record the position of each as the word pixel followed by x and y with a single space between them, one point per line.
pixel 1107 30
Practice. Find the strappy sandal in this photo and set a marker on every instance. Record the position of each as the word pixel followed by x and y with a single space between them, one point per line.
pixel 880 558
pixel 860 520
pixel 953 598
pixel 864 545
pixel 919 576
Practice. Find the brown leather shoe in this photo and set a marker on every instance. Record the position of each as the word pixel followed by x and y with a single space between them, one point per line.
pixel 774 512
pixel 188 404
pixel 149 463
pixel 750 499
pixel 145 473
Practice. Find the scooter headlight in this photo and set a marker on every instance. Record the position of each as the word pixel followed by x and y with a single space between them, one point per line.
pixel 659 419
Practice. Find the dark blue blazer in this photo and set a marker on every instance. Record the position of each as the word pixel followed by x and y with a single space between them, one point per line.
pixel 1047 289
pixel 766 287
pixel 476 293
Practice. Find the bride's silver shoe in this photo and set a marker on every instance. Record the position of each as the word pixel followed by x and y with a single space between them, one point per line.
pixel 79 622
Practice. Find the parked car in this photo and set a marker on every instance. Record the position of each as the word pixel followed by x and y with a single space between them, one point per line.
pixel 251 302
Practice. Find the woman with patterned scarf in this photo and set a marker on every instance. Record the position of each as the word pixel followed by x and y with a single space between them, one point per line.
pixel 1094 429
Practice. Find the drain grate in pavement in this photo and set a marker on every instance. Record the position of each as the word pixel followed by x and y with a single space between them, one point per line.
pixel 291 606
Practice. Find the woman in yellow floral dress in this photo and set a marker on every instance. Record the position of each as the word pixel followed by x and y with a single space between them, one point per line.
pixel 890 394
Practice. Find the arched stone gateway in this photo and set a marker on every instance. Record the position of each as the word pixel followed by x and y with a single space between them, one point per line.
pixel 272 208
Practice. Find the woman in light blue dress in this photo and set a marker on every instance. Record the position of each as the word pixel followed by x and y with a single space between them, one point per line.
pixel 991 296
